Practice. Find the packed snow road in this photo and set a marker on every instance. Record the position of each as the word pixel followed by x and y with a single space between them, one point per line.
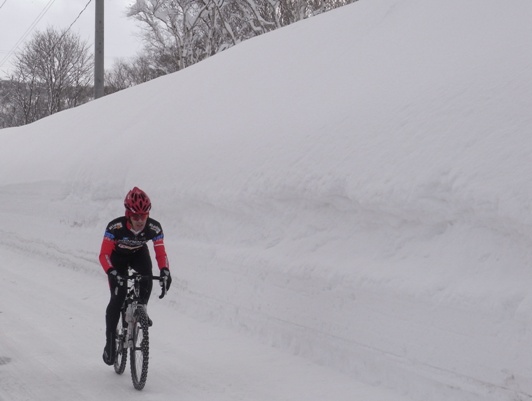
pixel 51 340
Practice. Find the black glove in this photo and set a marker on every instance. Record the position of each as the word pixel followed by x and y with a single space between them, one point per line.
pixel 166 277
pixel 114 277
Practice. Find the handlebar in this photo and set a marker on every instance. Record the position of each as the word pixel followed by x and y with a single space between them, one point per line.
pixel 137 276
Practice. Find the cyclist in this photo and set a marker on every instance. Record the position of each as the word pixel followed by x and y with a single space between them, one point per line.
pixel 125 244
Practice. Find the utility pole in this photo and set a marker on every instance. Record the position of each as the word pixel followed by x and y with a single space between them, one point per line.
pixel 99 50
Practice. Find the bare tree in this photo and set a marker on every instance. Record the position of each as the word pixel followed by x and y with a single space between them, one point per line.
pixel 126 74
pixel 52 73
pixel 179 33
pixel 164 33
pixel 54 70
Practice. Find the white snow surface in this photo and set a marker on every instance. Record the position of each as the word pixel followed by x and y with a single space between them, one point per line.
pixel 347 206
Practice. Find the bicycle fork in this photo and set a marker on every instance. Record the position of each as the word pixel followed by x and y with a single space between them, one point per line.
pixel 128 332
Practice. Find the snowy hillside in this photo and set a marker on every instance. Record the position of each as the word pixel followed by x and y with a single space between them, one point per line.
pixel 347 205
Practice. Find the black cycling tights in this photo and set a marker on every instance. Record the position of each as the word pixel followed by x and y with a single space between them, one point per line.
pixel 140 261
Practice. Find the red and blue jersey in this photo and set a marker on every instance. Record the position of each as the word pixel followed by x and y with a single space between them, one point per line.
pixel 120 238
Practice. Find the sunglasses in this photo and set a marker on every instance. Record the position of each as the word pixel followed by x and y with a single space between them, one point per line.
pixel 138 216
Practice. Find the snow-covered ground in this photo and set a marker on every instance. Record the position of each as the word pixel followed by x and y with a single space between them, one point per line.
pixel 347 205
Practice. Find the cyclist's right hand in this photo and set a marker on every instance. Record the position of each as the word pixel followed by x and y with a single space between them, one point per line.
pixel 114 277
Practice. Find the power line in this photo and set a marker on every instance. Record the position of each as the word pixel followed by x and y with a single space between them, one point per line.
pixel 70 26
pixel 76 20
pixel 5 1
pixel 28 31
pixel 41 15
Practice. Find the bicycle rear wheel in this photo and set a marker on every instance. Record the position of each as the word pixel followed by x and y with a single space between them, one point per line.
pixel 121 346
pixel 140 350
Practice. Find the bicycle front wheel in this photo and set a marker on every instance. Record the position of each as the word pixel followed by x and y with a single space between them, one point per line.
pixel 140 350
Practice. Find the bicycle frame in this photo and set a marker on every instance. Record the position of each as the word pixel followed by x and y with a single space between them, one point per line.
pixel 133 334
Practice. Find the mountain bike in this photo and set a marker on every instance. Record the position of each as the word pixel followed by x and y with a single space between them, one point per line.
pixel 132 330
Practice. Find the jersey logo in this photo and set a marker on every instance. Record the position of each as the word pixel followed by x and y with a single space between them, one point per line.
pixel 130 243
pixel 116 226
pixel 129 247
pixel 155 228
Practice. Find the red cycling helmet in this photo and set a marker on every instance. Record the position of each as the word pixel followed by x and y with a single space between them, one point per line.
pixel 137 202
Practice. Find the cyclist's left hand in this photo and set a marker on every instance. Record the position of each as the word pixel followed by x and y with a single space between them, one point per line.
pixel 166 277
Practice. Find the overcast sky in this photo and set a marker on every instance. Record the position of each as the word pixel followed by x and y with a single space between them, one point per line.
pixel 20 19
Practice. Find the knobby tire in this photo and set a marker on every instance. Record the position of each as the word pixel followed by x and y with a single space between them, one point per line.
pixel 140 350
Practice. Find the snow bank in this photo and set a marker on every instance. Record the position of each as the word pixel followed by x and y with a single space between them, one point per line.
pixel 355 188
